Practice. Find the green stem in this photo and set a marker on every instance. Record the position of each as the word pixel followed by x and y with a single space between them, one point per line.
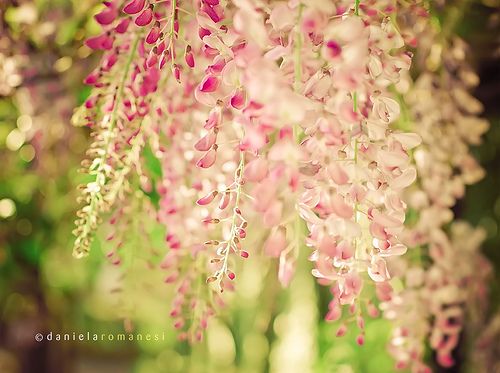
pixel 296 128
pixel 297 53
pixel 172 30
pixel 96 199
pixel 239 178
pixel 356 207
pixel 121 86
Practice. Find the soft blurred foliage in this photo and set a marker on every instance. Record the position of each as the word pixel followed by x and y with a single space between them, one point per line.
pixel 43 289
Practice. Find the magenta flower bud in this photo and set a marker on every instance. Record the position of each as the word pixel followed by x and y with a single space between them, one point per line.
pixel 160 48
pixel 134 6
pixel 238 99
pixel 91 79
pixel 341 331
pixel 107 43
pixel 189 57
pixel 360 322
pixel 176 28
pixel 122 27
pixel 204 322
pixel 198 336
pixel 209 53
pixel 110 61
pixel 231 275
pixel 90 103
pixel 107 16
pixel 244 254
pixel 217 66
pixel 333 49
pixel 203 32
pixel 207 199
pixel 163 61
pixel 242 233
pixel 179 324
pixel 209 84
pixel 360 340
pixel 96 42
pixel 151 60
pixel 176 71
pixel 144 18
pixel 211 2
pixel 153 35
pixel 210 11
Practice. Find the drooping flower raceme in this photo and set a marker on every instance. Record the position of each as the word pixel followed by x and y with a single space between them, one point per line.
pixel 449 270
pixel 276 117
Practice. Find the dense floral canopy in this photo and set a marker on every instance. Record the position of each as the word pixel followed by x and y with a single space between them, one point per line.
pixel 333 136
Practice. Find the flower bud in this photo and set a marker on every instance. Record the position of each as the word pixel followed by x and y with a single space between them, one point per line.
pixel 134 6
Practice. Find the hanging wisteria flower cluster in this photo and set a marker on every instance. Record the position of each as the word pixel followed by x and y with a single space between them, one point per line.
pixel 447 280
pixel 281 118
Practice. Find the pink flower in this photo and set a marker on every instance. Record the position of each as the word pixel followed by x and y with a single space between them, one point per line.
pixel 272 215
pixel 99 42
pixel 224 202
pixel 360 340
pixel 206 142
pixel 292 112
pixel 341 331
pixel 208 159
pixel 106 16
pixel 276 242
pixel 328 246
pixel 256 170
pixel 337 173
pixel 209 84
pixel 122 26
pixel 386 108
pixel 332 49
pixel 445 360
pixel 189 57
pixel 282 17
pixel 238 99
pixel 340 208
pixel 384 291
pixel 286 270
pixel 378 270
pixel 144 18
pixel 153 35
pixel 334 313
pixel 207 199
pixel 134 6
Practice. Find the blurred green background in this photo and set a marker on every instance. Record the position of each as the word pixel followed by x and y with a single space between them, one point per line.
pixel 43 289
